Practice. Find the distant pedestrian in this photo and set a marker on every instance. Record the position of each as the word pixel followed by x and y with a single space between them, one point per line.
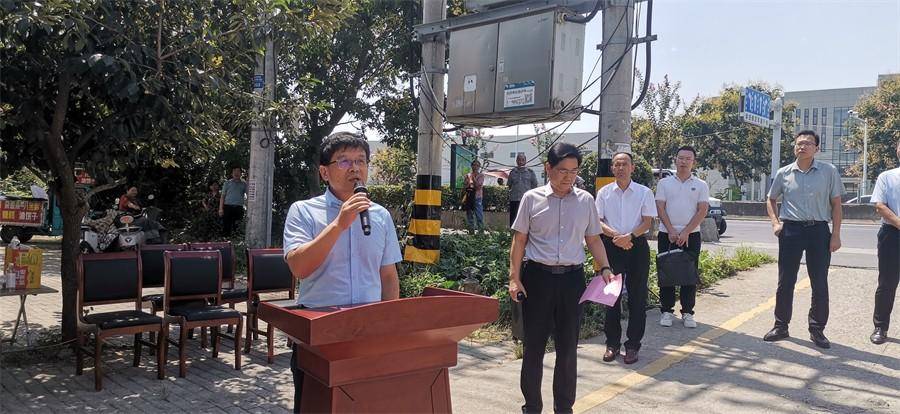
pixel 681 201
pixel 811 193
pixel 231 203
pixel 521 179
pixel 887 203
pixel 626 209
pixel 474 186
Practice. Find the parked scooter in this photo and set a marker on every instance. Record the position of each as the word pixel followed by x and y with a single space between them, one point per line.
pixel 116 231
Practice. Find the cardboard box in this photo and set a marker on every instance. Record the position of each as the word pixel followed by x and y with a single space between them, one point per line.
pixel 27 261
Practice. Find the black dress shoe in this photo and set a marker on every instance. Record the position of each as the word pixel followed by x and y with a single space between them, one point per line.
pixel 819 339
pixel 879 336
pixel 610 354
pixel 776 334
pixel 631 356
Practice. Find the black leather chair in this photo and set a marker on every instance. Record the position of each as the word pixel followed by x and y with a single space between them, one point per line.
pixel 193 281
pixel 267 272
pixel 153 272
pixel 230 296
pixel 108 278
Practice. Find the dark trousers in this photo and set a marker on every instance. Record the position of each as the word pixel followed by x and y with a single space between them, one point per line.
pixel 794 240
pixel 513 210
pixel 230 217
pixel 888 274
pixel 635 264
pixel 688 294
pixel 551 308
pixel 298 378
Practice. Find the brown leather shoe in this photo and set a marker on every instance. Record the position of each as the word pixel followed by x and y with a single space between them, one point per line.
pixel 610 354
pixel 631 356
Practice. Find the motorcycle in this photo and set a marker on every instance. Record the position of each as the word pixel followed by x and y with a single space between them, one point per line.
pixel 114 230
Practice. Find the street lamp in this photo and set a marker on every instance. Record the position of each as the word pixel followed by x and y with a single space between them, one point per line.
pixel 854 115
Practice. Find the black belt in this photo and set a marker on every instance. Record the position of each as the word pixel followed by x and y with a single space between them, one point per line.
pixel 804 223
pixel 557 269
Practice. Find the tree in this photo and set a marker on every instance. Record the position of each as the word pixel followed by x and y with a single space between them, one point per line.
pixel 658 131
pixel 882 112
pixel 361 72
pixel 122 85
pixel 394 166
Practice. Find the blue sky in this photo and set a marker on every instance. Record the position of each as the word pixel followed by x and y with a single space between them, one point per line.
pixel 798 44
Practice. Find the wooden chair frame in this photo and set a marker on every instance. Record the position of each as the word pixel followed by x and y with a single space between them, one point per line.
pixel 253 330
pixel 85 329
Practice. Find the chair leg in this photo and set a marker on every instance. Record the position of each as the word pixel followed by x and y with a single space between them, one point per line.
pixel 137 349
pixel 182 366
pixel 256 327
pixel 161 350
pixel 190 333
pixel 270 340
pixel 214 333
pixel 230 327
pixel 203 343
pixel 250 313
pixel 79 353
pixel 98 370
pixel 237 344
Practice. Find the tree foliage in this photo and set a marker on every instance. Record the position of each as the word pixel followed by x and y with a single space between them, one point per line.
pixel 882 112
pixel 394 166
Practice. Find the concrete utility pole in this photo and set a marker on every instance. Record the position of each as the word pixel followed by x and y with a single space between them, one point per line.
pixel 777 107
pixel 617 70
pixel 262 154
pixel 425 225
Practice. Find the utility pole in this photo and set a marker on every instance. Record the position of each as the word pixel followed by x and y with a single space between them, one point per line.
pixel 425 225
pixel 617 72
pixel 777 107
pixel 262 153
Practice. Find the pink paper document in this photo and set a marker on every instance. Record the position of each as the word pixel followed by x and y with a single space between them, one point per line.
pixel 601 292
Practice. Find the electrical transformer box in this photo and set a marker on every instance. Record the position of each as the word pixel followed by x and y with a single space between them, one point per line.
pixel 523 70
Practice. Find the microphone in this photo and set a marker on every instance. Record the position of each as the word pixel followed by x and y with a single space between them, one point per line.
pixel 363 215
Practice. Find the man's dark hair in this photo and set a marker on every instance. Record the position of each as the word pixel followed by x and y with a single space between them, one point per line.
pixel 687 148
pixel 810 133
pixel 561 151
pixel 630 157
pixel 339 141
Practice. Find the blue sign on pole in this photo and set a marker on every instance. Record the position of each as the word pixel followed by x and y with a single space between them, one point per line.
pixel 755 107
pixel 259 81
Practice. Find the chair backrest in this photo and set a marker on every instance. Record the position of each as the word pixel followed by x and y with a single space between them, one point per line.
pixel 109 278
pixel 192 275
pixel 227 251
pixel 268 272
pixel 153 267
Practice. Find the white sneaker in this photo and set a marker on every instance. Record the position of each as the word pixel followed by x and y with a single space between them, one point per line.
pixel 688 320
pixel 666 319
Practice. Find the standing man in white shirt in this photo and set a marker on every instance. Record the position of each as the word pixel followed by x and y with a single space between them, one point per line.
pixel 887 203
pixel 682 201
pixel 626 209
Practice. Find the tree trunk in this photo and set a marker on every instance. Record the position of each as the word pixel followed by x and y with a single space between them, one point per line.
pixel 312 172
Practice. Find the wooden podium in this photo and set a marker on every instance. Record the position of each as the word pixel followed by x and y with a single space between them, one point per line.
pixel 384 357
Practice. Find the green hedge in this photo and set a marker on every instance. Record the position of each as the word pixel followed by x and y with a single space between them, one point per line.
pixel 496 198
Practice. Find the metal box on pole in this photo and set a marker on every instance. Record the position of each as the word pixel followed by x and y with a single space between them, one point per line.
pixel 520 70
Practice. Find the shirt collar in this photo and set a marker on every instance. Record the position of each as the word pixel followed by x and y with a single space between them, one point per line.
pixel 691 177
pixel 619 189
pixel 547 191
pixel 331 200
pixel 814 166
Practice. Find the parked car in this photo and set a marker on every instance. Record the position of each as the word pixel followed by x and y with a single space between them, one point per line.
pixel 715 211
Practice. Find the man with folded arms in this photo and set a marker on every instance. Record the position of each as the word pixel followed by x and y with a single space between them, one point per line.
pixel 810 191
pixel 551 226
pixel 626 209
pixel 682 201
pixel 887 203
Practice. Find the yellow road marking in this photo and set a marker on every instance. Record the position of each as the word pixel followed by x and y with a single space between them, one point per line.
pixel 652 369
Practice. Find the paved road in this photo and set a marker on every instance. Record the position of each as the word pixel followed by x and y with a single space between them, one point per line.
pixel 858 241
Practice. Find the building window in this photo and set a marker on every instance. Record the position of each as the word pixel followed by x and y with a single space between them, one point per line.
pixel 824 127
pixel 797 116
pixel 806 116
pixel 823 137
pixel 512 155
pixel 815 116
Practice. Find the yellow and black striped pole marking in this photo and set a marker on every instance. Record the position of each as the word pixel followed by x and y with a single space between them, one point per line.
pixel 425 225
pixel 604 173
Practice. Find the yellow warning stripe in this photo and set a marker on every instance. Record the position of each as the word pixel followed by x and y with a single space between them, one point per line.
pixel 414 254
pixel 425 227
pixel 599 182
pixel 427 197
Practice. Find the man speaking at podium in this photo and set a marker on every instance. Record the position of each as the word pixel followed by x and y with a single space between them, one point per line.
pixel 327 245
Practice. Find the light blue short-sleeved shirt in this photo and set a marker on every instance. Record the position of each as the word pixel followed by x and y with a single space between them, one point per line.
pixel 234 191
pixel 352 271
pixel 887 190
pixel 806 195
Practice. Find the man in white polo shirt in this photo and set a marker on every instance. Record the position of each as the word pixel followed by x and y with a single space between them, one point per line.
pixel 681 200
pixel 626 209
pixel 887 203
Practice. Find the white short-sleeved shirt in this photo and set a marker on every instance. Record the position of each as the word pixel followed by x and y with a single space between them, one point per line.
pixel 351 273
pixel 682 199
pixel 624 210
pixel 887 190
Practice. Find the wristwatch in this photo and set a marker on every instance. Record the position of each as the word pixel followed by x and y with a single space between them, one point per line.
pixel 605 268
